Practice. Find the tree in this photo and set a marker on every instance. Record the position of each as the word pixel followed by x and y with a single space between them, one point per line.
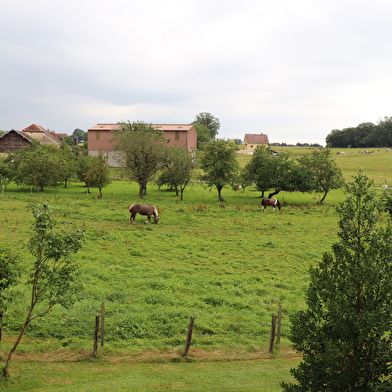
pixel 67 163
pixel 54 275
pixel 97 174
pixel 326 174
pixel 344 335
pixel 220 165
pixel 82 166
pixel 9 273
pixel 179 165
pixel 79 135
pixel 5 173
pixel 203 135
pixel 68 140
pixel 259 170
pixel 36 166
pixel 141 147
pixel 209 121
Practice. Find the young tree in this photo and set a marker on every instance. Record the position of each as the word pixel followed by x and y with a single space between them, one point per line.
pixel 344 335
pixel 179 165
pixel 203 135
pixel 259 170
pixel 54 275
pixel 220 165
pixel 209 121
pixel 141 148
pixel 326 174
pixel 10 269
pixel 36 166
pixel 97 174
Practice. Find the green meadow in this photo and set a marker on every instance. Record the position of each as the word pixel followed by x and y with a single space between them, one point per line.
pixel 227 264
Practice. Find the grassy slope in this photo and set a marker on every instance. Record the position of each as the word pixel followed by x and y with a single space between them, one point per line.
pixel 227 264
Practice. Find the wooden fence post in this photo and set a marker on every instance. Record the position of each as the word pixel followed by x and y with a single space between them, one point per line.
pixel 1 322
pixel 189 336
pixel 102 323
pixel 96 332
pixel 272 338
pixel 279 324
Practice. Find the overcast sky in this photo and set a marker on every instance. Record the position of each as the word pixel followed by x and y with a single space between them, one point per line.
pixel 294 70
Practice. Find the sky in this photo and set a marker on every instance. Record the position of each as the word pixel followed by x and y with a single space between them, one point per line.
pixel 294 70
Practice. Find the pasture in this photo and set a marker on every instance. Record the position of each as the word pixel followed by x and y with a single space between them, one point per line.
pixel 228 264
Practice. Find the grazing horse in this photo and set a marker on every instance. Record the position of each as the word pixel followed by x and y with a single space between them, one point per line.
pixel 143 209
pixel 270 202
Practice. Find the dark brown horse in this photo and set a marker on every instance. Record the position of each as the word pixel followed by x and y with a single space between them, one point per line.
pixel 270 202
pixel 143 209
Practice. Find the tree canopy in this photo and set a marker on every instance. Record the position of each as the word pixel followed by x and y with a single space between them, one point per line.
pixel 219 164
pixel 209 121
pixel 344 334
pixel 365 135
pixel 141 148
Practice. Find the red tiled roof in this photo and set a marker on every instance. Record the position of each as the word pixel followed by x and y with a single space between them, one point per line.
pixel 256 138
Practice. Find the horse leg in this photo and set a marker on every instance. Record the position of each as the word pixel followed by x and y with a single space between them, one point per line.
pixel 132 218
pixel 148 219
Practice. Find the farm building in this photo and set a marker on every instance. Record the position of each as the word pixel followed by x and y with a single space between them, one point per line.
pixel 99 136
pixel 43 136
pixel 14 140
pixel 252 141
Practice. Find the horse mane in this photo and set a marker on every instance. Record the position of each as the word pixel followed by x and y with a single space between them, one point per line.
pixel 155 211
pixel 130 207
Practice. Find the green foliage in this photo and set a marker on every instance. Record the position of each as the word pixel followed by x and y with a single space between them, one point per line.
pixel 6 173
pixel 141 148
pixel 326 174
pixel 203 135
pixel 178 167
pixel 219 164
pixel 277 173
pixel 54 277
pixel 97 174
pixel 365 135
pixel 344 334
pixel 208 121
pixel 10 269
pixel 36 166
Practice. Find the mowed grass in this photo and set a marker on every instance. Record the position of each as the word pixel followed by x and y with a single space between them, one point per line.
pixel 228 264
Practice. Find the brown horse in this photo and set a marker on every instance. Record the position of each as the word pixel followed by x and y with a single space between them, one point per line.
pixel 143 209
pixel 270 202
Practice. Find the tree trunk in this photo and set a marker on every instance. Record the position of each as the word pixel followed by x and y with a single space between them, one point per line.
pixel 5 370
pixel 141 190
pixel 325 195
pixel 273 194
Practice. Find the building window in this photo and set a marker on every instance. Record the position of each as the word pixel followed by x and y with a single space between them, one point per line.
pixel 251 146
pixel 97 135
pixel 177 135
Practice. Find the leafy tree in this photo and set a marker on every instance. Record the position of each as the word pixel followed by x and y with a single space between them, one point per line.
pixel 68 140
pixel 142 148
pixel 344 335
pixel 203 135
pixel 179 165
pixel 97 174
pixel 5 173
pixel 9 272
pixel 54 275
pixel 220 165
pixel 327 175
pixel 36 166
pixel 209 121
pixel 259 170
pixel 79 135
pixel 82 166
pixel 67 163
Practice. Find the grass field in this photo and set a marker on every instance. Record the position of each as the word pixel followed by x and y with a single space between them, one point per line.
pixel 227 264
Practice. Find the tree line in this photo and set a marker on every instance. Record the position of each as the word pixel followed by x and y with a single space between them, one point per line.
pixel 365 135
pixel 146 158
